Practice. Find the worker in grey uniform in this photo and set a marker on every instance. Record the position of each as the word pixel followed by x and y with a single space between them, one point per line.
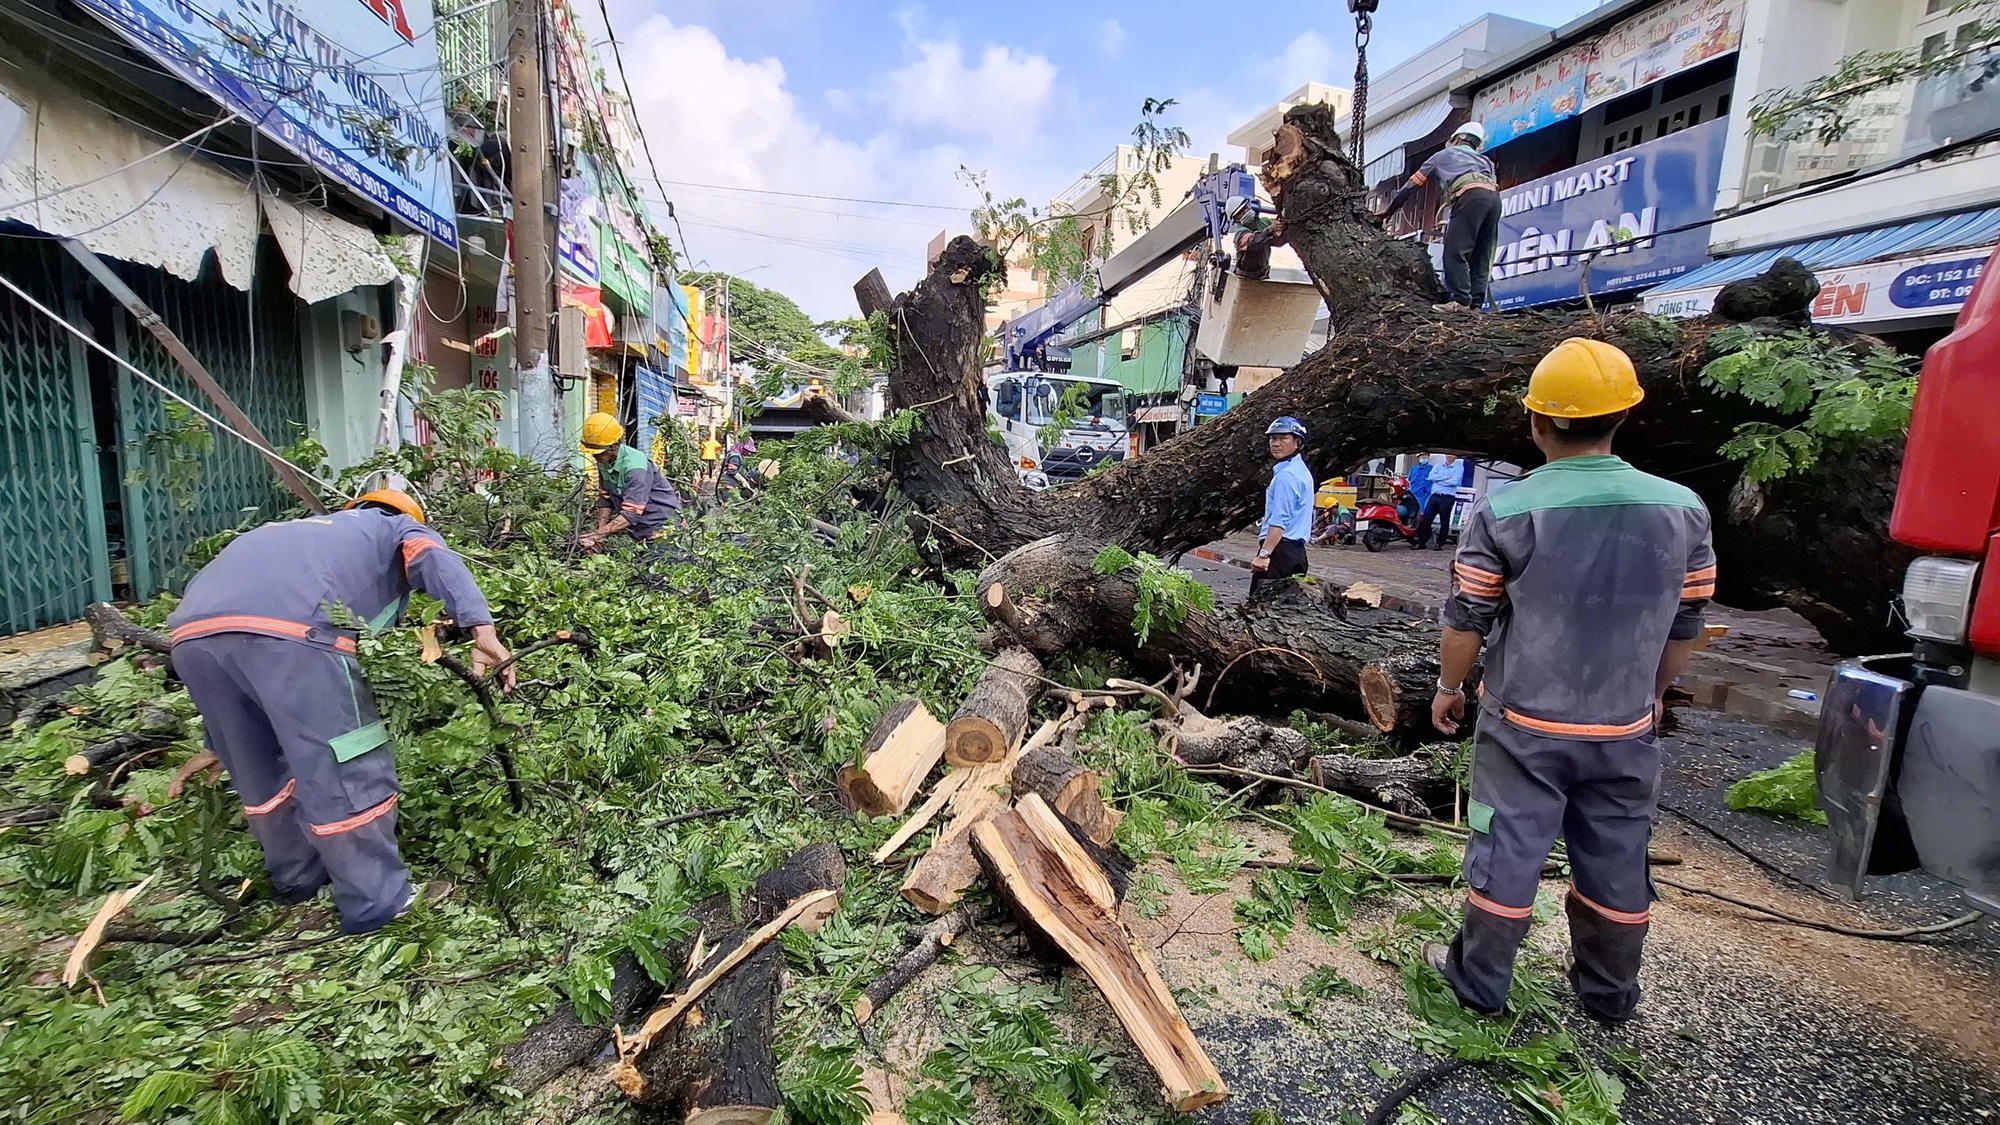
pixel 1472 234
pixel 283 704
pixel 1585 581
pixel 634 496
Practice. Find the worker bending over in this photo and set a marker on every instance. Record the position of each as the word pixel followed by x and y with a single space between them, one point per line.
pixel 1472 234
pixel 1585 580
pixel 1288 500
pixel 265 642
pixel 635 497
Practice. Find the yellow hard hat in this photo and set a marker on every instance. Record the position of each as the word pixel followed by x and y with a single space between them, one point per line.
pixel 1583 379
pixel 600 432
pixel 391 498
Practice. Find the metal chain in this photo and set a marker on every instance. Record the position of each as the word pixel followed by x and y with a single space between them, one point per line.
pixel 1364 25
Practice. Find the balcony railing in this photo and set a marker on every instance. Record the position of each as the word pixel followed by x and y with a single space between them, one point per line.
pixel 1122 160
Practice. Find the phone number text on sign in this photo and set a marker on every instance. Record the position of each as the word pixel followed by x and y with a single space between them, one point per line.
pixel 1936 283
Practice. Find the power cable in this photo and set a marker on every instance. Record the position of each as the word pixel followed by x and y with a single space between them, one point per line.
pixel 227 116
pixel 142 376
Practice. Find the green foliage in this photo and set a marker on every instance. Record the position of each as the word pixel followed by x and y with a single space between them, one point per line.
pixel 175 455
pixel 1847 393
pixel 1323 983
pixel 1788 790
pixel 1547 1077
pixel 1166 594
pixel 766 327
pixel 1001 1041
pixel 822 1086
pixel 1827 107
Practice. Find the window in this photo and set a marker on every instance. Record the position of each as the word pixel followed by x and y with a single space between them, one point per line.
pixel 1128 344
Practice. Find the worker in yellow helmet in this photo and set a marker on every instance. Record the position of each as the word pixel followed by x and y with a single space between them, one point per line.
pixel 273 669
pixel 1585 582
pixel 634 496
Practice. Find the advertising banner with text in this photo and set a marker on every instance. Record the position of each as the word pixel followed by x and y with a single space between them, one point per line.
pixel 1870 293
pixel 350 85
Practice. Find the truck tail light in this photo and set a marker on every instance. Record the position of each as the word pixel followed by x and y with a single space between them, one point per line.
pixel 1937 596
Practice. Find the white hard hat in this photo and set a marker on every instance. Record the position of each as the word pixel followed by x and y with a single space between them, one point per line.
pixel 1237 205
pixel 1472 129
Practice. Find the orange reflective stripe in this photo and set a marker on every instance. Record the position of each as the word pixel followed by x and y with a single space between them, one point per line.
pixel 272 804
pixel 1623 916
pixel 1697 575
pixel 244 623
pixel 631 507
pixel 1419 179
pixel 415 547
pixel 356 821
pixel 1474 898
pixel 1468 572
pixel 1594 730
pixel 1690 592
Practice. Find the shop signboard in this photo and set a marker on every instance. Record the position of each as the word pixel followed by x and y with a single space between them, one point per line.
pixel 1535 98
pixel 352 86
pixel 1662 40
pixel 1625 216
pixel 1921 285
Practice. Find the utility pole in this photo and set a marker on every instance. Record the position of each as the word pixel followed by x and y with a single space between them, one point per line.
pixel 529 156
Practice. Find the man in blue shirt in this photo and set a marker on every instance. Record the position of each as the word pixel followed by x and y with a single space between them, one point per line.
pixel 1288 508
pixel 1447 474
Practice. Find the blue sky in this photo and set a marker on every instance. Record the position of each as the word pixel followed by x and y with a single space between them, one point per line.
pixel 885 101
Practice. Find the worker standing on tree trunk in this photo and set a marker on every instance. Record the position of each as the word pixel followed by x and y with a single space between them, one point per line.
pixel 1585 580
pixel 1288 507
pixel 282 701
pixel 635 497
pixel 1472 235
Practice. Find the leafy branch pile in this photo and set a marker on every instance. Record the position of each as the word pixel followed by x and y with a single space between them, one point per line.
pixel 1846 394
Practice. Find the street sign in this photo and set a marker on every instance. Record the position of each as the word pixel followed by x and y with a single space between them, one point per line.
pixel 1210 406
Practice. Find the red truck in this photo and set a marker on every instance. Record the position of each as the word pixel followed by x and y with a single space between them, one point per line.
pixel 1908 753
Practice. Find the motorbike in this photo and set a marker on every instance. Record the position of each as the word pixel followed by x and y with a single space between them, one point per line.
pixel 1379 523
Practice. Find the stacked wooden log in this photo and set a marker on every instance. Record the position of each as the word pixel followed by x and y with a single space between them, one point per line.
pixel 1023 811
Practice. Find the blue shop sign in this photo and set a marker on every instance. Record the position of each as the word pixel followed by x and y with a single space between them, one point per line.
pixel 1937 285
pixel 1211 406
pixel 1607 213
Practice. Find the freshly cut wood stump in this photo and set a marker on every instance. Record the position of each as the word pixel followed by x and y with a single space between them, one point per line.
pixel 900 753
pixel 1057 891
pixel 941 876
pixel 1069 789
pixel 994 715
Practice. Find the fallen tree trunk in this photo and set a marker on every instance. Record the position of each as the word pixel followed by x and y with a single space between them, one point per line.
pixel 1058 892
pixel 1396 375
pixel 991 719
pixel 900 753
pixel 1319 659
pixel 564 1040
pixel 111 630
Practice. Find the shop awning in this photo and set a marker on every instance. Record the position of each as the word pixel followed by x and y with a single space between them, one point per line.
pixel 1924 268
pixel 1387 138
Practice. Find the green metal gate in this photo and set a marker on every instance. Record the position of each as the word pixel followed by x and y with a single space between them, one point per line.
pixel 53 560
pixel 69 506
pixel 250 344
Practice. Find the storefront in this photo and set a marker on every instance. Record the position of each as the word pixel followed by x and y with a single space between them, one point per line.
pixel 1908 277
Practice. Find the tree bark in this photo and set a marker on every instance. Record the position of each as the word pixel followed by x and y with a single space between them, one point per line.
pixel 563 1040
pixel 1319 660
pixel 930 942
pixel 991 719
pixel 1070 789
pixel 1396 375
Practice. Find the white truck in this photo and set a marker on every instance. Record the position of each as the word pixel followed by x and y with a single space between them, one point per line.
pixel 1022 406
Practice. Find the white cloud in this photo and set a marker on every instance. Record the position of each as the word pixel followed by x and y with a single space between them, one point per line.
pixel 725 122
pixel 1111 37
pixel 1001 98
pixel 1308 58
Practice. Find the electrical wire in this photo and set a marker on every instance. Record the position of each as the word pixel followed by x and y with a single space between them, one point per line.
pixel 810 195
pixel 227 116
pixel 142 376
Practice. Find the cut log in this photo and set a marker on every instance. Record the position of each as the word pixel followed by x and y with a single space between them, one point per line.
pixel 706 1054
pixel 993 717
pixel 113 751
pixel 112 630
pixel 900 753
pixel 998 607
pixel 1401 783
pixel 931 940
pixel 934 804
pixel 940 878
pixel 1075 792
pixel 563 1040
pixel 1031 866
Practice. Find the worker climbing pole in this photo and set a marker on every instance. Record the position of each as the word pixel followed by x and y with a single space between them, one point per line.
pixel 1364 26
